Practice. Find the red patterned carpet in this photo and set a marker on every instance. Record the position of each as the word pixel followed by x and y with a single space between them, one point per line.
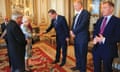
pixel 4 65
pixel 89 59
pixel 39 62
pixel 43 55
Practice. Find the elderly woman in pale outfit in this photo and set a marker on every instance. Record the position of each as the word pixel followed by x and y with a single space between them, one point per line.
pixel 28 35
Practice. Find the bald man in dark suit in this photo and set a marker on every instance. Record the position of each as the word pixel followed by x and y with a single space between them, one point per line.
pixel 80 34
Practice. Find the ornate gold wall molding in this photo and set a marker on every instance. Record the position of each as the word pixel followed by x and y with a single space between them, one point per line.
pixel 43 11
pixel 69 11
pixel 26 6
pixel 8 9
pixel 35 11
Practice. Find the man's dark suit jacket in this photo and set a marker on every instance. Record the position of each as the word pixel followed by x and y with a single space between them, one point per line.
pixel 112 36
pixel 16 45
pixel 3 27
pixel 61 28
pixel 81 30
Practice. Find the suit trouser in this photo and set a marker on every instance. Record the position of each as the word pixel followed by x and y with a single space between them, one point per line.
pixel 81 48
pixel 63 45
pixel 17 59
pixel 99 57
pixel 8 52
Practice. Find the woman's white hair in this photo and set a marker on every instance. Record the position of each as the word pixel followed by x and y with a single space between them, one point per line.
pixel 16 14
pixel 26 18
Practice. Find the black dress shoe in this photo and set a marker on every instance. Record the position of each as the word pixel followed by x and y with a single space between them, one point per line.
pixel 54 62
pixel 74 68
pixel 62 64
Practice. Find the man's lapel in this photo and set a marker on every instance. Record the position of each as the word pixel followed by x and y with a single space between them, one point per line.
pixel 108 25
pixel 79 18
pixel 56 21
pixel 99 24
